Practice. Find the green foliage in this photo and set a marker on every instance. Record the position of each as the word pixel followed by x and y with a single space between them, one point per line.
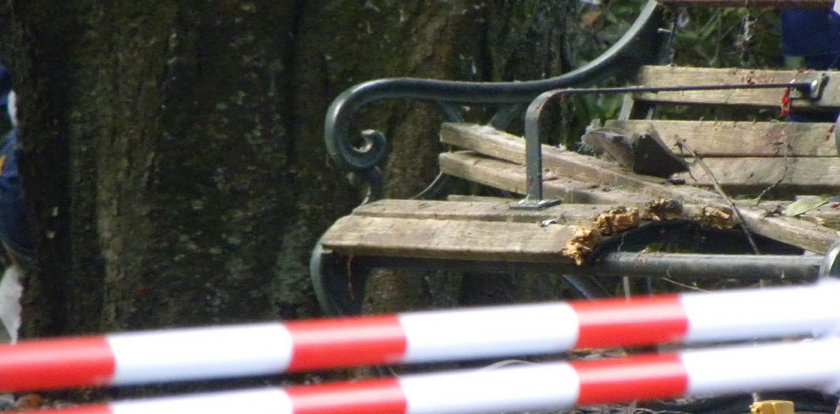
pixel 728 37
pixel 702 36
pixel 593 29
pixel 804 205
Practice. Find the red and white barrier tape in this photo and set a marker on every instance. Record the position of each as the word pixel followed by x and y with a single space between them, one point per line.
pixel 271 348
pixel 742 369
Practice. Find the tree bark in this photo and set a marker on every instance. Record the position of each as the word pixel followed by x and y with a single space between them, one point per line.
pixel 173 154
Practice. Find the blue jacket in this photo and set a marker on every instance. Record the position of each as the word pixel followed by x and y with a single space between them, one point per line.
pixel 14 229
pixel 810 32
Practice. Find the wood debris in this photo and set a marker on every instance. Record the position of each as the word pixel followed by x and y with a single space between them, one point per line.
pixel 582 244
pixel 617 220
pixel 621 219
pixel 586 237
pixel 719 218
pixel 663 209
pixel 643 153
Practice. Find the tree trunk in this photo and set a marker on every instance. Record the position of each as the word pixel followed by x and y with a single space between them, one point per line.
pixel 173 154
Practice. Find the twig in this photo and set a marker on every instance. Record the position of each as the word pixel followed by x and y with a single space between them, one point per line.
pixel 785 167
pixel 683 145
pixel 680 284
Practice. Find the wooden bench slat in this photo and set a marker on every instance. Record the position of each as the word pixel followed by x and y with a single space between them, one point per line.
pixel 577 192
pixel 751 175
pixel 729 138
pixel 568 164
pixel 574 214
pixel 579 167
pixel 511 177
pixel 659 76
pixel 803 175
pixel 448 239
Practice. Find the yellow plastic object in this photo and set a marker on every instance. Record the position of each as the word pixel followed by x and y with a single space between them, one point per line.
pixel 772 407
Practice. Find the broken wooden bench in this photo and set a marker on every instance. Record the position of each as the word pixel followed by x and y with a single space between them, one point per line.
pixel 730 163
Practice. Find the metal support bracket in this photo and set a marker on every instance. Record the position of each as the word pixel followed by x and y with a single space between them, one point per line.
pixel 528 203
pixel 816 83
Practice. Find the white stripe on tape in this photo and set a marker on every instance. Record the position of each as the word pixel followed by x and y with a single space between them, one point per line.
pixel 267 401
pixel 746 314
pixel 529 387
pixel 794 365
pixel 200 353
pixel 485 332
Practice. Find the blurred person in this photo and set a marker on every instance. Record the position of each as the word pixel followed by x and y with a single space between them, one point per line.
pixel 14 225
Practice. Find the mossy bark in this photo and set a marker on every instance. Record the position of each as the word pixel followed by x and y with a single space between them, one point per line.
pixel 173 154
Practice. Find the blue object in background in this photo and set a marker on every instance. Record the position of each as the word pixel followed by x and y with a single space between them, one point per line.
pixel 14 227
pixel 813 34
pixel 5 85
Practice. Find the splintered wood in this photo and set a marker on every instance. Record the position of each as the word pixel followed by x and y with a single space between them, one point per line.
pixel 490 230
pixel 582 244
pixel 586 238
pixel 583 178
pixel 617 220
pixel 664 209
pixel 620 219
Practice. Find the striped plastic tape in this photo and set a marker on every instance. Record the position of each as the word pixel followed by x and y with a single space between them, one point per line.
pixel 271 348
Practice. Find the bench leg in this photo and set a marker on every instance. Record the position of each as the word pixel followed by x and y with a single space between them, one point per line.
pixel 339 290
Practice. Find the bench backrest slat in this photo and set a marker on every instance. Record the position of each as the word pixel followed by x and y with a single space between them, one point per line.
pixel 745 157
pixel 741 139
pixel 662 76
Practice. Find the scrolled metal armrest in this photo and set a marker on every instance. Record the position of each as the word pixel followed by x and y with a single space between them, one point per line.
pixel 639 45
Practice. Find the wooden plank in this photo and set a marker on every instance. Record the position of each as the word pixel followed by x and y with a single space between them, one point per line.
pixel 572 214
pixel 588 169
pixel 659 76
pixel 501 145
pixel 830 219
pixel 828 215
pixel 814 4
pixel 498 209
pixel 753 175
pixel 803 175
pixel 511 177
pixel 448 239
pixel 728 138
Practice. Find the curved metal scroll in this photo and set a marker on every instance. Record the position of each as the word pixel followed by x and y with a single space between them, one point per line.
pixel 640 45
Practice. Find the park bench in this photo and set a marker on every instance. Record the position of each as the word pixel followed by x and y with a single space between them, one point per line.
pixel 729 162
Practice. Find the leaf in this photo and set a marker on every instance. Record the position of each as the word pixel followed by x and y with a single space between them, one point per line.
pixel 804 205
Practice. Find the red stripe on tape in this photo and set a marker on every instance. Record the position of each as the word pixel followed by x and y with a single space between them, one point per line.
pixel 84 409
pixel 638 378
pixel 640 321
pixel 332 343
pixel 58 363
pixel 382 396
